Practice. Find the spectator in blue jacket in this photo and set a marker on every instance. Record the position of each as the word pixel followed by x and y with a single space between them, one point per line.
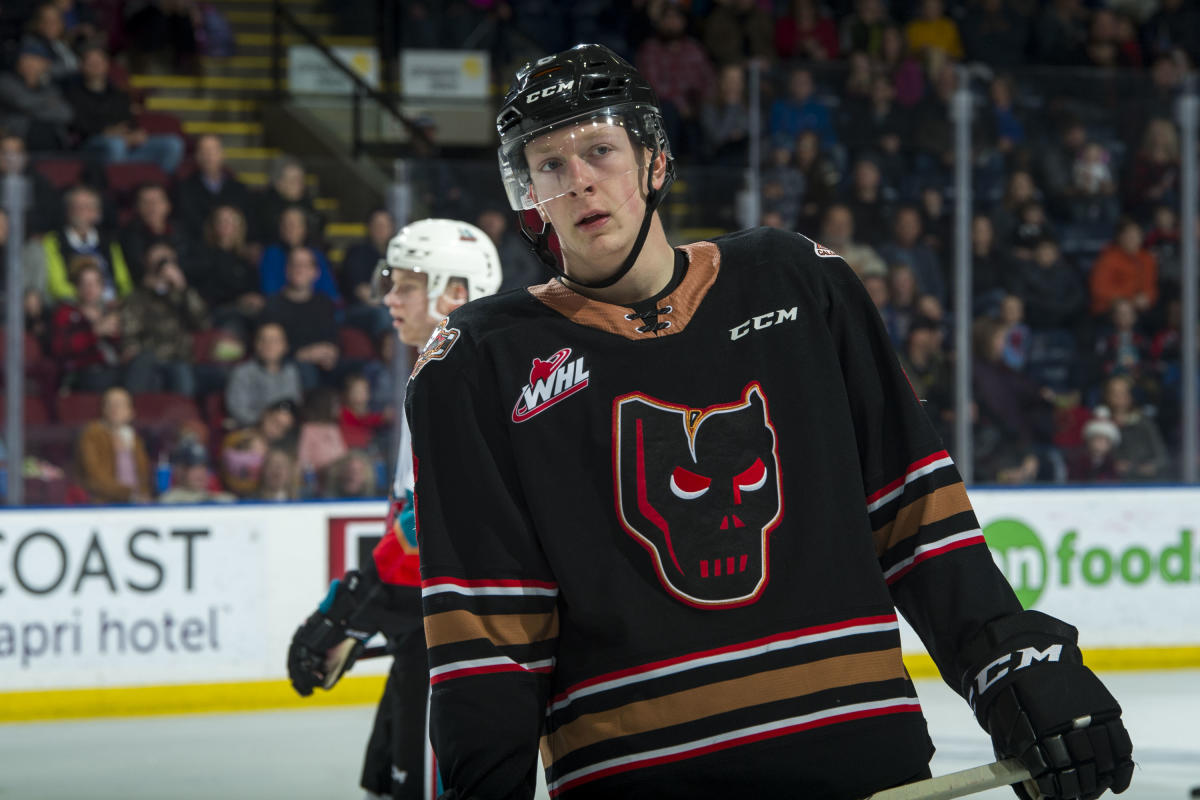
pixel 801 111
pixel 293 233
pixel 906 248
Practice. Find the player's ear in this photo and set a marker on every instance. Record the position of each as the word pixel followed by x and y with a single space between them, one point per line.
pixel 658 168
pixel 454 296
pixel 531 197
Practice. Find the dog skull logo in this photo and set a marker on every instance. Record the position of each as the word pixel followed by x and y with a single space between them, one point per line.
pixel 700 490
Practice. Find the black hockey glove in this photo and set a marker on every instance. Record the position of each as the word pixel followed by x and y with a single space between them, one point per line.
pixel 332 638
pixel 1027 684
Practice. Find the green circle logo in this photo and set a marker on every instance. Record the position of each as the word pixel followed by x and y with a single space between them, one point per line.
pixel 1021 556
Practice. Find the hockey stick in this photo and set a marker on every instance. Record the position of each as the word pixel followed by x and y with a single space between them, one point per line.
pixel 959 784
pixel 373 652
pixel 335 659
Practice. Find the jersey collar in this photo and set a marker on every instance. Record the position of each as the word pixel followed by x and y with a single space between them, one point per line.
pixel 704 261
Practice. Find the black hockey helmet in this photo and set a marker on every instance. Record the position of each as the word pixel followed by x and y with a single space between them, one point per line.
pixel 587 82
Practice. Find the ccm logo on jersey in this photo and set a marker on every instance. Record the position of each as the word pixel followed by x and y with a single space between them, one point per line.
pixel 549 91
pixel 550 381
pixel 996 670
pixel 762 322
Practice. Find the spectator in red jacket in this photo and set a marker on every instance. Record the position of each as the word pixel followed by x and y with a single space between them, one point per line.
pixel 359 424
pixel 85 335
pixel 806 33
pixel 1125 269
pixel 681 73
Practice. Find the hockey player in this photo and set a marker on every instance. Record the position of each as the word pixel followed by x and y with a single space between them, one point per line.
pixel 669 502
pixel 432 267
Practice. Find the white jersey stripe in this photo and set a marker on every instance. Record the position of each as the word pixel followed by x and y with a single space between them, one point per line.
pixel 735 655
pixel 909 478
pixel 488 591
pixel 726 737
pixel 974 533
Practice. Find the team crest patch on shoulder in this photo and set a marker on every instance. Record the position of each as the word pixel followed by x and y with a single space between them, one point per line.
pixel 823 251
pixel 550 381
pixel 438 346
pixel 818 248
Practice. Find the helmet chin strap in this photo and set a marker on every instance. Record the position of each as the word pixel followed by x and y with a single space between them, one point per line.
pixel 541 247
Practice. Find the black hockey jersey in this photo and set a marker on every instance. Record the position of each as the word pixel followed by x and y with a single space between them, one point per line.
pixel 672 558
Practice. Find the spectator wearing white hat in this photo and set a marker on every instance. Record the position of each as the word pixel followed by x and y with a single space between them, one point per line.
pixel 1095 462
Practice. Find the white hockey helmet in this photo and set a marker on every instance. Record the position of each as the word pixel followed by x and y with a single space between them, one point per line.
pixel 442 249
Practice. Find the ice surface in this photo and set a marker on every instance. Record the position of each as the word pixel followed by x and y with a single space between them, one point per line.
pixel 317 754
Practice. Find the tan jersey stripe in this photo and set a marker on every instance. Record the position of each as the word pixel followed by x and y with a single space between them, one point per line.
pixel 718 698
pixel 449 627
pixel 933 507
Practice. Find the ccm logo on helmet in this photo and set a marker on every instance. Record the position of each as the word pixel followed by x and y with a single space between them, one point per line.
pixel 550 91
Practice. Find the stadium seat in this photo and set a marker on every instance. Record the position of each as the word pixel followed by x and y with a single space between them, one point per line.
pixel 160 122
pixel 355 345
pixel 46 491
pixel 77 408
pixel 41 373
pixel 34 412
pixel 119 76
pixel 76 495
pixel 61 172
pixel 163 409
pixel 202 345
pixel 32 350
pixel 214 409
pixel 123 179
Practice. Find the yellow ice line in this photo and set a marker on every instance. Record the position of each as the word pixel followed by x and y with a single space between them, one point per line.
pixel 138 701
pixel 1101 659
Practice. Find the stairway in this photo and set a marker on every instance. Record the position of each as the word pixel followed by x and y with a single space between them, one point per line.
pixel 226 98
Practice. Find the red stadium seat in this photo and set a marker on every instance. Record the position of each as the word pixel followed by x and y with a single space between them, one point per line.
pixel 124 178
pixel 163 409
pixel 52 441
pixel 119 76
pixel 41 373
pixel 355 345
pixel 76 495
pixel 214 409
pixel 78 408
pixel 32 350
pixel 204 345
pixel 34 413
pixel 160 122
pixel 61 172
pixel 47 491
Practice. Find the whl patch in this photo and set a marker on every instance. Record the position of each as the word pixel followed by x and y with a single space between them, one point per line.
pixel 550 381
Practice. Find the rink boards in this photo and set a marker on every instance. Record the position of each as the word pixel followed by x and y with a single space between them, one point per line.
pixel 160 610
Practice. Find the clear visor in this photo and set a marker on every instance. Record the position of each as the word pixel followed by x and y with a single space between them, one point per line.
pixel 569 158
pixel 388 278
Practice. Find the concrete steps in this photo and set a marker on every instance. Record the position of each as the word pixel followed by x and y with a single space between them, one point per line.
pixel 225 99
